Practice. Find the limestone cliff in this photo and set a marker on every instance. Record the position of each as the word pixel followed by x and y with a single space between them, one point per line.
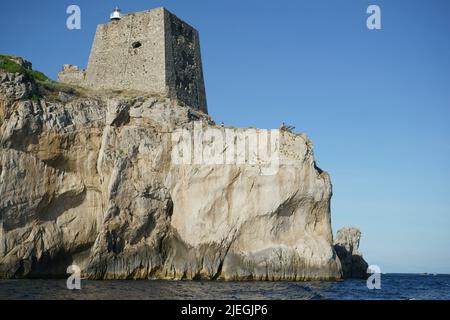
pixel 88 178
pixel 346 245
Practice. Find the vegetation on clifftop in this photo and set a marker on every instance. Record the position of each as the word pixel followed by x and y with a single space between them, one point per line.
pixel 8 64
pixel 46 87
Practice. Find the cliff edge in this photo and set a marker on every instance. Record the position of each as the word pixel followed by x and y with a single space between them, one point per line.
pixel 89 178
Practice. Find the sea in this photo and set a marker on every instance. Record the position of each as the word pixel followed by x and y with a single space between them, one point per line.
pixel 393 287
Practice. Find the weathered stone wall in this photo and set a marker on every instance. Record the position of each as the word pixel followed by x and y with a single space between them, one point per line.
pixel 184 65
pixel 118 62
pixel 72 75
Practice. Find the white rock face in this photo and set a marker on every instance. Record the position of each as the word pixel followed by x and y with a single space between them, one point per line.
pixel 91 180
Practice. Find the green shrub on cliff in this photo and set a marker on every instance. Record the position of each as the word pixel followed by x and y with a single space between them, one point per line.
pixel 7 64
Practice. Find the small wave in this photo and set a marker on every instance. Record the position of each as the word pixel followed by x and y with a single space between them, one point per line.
pixel 317 296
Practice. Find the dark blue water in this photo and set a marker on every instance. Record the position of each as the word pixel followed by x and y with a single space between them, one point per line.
pixel 393 286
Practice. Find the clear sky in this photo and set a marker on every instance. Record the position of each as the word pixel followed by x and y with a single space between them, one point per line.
pixel 375 103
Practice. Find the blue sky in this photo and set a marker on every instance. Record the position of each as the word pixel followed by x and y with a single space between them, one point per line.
pixel 375 103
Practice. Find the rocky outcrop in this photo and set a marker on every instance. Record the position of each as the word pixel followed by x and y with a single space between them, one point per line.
pixel 346 245
pixel 91 180
pixel 14 86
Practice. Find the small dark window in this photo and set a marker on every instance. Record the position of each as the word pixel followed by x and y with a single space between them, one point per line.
pixel 136 44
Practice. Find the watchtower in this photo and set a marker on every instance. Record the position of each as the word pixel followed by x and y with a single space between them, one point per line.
pixel 151 51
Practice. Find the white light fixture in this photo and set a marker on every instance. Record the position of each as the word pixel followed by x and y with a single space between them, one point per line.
pixel 115 15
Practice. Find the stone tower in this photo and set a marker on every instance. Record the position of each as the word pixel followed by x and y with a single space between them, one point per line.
pixel 151 51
